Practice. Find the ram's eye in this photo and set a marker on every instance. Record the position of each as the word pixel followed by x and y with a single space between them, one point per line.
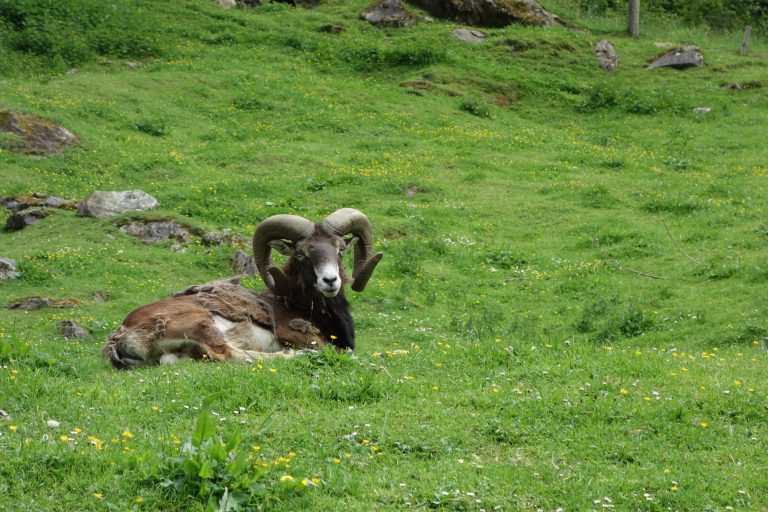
pixel 300 256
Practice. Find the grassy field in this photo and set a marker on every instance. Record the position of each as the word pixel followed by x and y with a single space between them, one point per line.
pixel 513 352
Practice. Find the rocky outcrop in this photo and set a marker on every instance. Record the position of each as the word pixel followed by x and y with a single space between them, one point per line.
pixel 388 14
pixel 607 56
pixel 8 269
pixel 103 204
pixel 679 58
pixel 18 203
pixel 489 13
pixel 157 231
pixel 37 136
pixel 40 302
pixel 24 218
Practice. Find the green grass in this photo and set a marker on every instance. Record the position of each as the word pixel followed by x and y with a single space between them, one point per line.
pixel 504 359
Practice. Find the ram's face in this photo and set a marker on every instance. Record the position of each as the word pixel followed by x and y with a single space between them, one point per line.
pixel 320 259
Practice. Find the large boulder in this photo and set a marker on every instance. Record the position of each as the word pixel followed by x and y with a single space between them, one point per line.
pixel 103 204
pixel 489 13
pixel 8 269
pixel 388 14
pixel 679 58
pixel 38 136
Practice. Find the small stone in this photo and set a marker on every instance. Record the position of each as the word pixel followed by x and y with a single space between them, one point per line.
pixel 226 4
pixel 468 35
pixel 21 220
pixel 73 72
pixel 332 28
pixel 8 269
pixel 53 423
pixel 702 110
pixel 132 64
pixel 4 415
pixel 243 264
pixel 71 329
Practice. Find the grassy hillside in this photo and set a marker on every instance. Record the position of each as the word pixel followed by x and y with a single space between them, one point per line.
pixel 514 353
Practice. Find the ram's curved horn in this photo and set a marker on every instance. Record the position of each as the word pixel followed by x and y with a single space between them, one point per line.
pixel 350 221
pixel 277 227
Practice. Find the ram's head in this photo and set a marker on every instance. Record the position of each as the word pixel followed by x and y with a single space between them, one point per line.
pixel 315 252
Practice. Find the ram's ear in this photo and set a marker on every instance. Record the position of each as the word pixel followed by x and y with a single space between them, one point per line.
pixel 350 241
pixel 284 247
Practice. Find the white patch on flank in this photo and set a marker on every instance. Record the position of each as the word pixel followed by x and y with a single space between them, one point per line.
pixel 222 323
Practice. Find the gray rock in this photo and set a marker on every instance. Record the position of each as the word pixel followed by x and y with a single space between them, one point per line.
pixel 10 203
pixel 226 4
pixel 103 204
pixel 679 58
pixel 39 136
pixel 24 218
pixel 606 55
pixel 468 35
pixel 388 14
pixel 8 269
pixel 702 110
pixel 489 13
pixel 71 329
pixel 243 264
pixel 150 232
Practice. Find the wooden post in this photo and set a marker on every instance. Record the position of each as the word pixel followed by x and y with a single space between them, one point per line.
pixel 634 18
pixel 745 41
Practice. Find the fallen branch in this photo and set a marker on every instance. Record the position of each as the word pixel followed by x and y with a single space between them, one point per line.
pixel 677 245
pixel 616 264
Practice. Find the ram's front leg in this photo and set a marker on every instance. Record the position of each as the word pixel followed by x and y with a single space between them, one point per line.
pixel 299 334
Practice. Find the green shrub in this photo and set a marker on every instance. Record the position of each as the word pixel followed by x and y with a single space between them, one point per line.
pixel 70 33
pixel 476 108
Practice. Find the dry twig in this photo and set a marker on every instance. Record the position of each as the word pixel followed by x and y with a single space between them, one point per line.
pixel 616 264
pixel 677 245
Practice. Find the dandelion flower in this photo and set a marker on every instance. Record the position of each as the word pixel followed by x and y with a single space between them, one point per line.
pixel 98 495
pixel 623 391
pixel 287 478
pixel 12 428
pixel 704 424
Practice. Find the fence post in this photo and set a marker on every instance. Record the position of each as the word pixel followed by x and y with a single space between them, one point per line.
pixel 745 41
pixel 634 18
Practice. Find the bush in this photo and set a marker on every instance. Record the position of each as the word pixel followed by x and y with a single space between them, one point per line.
pixel 718 14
